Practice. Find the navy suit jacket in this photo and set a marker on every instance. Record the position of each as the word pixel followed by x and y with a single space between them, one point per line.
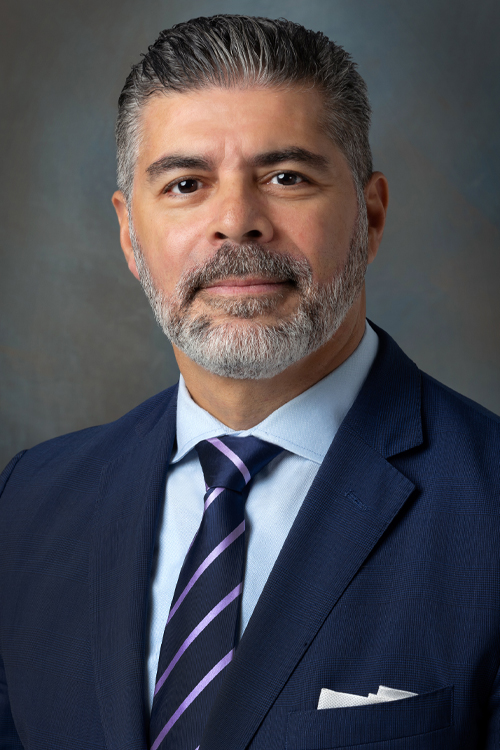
pixel 390 575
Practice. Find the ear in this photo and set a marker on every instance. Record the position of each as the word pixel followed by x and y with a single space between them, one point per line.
pixel 121 209
pixel 377 199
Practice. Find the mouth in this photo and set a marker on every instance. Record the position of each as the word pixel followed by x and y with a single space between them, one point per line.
pixel 251 285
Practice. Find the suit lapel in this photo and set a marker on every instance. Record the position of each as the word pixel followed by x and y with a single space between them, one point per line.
pixel 355 496
pixel 131 495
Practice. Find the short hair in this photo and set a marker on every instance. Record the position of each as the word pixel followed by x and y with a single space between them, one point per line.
pixel 231 50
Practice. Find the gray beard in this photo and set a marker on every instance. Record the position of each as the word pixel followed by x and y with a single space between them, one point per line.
pixel 255 350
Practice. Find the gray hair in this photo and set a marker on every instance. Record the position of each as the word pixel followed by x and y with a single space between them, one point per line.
pixel 228 50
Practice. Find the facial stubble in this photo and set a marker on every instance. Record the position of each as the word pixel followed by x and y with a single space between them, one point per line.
pixel 242 346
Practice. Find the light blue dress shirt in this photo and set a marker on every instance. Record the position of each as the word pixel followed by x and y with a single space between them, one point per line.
pixel 305 428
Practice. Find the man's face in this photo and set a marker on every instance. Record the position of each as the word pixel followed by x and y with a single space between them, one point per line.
pixel 244 220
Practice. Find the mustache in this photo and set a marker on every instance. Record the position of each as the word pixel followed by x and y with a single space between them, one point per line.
pixel 251 259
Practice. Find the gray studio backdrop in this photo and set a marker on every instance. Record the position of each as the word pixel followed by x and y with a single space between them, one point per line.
pixel 79 345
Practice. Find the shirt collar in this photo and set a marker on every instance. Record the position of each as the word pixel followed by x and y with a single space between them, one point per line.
pixel 306 425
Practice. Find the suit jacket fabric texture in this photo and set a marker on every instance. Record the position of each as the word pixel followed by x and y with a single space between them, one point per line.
pixel 389 575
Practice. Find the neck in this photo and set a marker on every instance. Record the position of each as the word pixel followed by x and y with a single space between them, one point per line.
pixel 241 404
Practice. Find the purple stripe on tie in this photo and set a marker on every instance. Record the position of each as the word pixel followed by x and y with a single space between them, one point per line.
pixel 191 697
pixel 215 494
pixel 212 496
pixel 232 457
pixel 198 629
pixel 239 530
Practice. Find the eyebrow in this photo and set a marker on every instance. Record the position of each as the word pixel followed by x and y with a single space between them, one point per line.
pixel 295 153
pixel 177 161
pixel 267 159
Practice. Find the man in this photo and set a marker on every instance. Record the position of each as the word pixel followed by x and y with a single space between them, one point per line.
pixel 297 546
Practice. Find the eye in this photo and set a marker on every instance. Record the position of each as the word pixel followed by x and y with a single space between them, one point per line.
pixel 287 179
pixel 183 187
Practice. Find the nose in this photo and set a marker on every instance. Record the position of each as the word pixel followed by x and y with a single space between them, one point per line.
pixel 238 215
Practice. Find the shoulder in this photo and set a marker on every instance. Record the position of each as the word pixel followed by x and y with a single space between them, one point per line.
pixel 451 407
pixel 463 422
pixel 81 455
pixel 467 434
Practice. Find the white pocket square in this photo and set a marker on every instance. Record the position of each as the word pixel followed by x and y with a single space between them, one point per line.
pixel 332 699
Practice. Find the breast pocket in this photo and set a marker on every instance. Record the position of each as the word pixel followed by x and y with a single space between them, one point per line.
pixel 330 728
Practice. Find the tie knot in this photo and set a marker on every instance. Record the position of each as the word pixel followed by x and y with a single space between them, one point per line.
pixel 231 462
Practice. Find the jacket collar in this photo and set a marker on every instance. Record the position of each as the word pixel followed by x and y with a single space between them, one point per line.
pixel 387 412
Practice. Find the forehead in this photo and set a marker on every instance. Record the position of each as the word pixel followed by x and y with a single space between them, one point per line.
pixel 221 121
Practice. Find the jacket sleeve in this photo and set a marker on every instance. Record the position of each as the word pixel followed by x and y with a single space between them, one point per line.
pixel 9 739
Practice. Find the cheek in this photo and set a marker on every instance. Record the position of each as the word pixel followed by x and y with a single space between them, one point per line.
pixel 172 252
pixel 323 240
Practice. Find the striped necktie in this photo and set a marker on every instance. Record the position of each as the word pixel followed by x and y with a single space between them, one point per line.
pixel 203 624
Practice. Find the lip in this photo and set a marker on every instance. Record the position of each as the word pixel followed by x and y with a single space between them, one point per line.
pixel 248 285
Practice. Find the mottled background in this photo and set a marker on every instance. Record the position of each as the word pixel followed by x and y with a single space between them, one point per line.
pixel 78 343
